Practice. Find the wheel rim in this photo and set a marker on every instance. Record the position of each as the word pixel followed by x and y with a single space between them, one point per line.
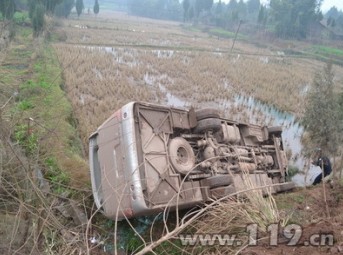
pixel 182 155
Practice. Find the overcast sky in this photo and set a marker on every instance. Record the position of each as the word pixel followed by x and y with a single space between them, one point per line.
pixel 327 4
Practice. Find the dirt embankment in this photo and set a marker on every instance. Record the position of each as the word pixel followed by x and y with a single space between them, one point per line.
pixel 321 223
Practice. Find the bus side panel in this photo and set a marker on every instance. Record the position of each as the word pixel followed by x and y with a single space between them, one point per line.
pixel 115 188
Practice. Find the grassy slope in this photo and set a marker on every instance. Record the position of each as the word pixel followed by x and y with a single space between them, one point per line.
pixel 31 68
pixel 31 76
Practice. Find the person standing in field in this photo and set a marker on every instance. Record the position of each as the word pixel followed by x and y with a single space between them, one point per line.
pixel 324 163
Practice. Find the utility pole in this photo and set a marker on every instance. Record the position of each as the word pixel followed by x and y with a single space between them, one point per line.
pixel 234 40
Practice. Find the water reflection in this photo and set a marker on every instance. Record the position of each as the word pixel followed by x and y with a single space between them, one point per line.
pixel 172 99
pixel 291 135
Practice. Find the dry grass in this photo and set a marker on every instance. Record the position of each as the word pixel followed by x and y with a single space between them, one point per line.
pixel 232 216
pixel 227 216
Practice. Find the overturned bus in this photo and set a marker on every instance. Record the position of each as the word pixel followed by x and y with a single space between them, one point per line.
pixel 147 157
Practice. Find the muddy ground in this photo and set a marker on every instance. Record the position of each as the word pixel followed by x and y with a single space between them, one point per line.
pixel 315 216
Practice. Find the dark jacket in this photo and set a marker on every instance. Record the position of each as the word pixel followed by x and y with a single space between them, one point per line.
pixel 326 164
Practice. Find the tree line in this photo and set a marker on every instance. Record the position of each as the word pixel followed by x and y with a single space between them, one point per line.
pixel 334 19
pixel 285 18
pixel 38 9
pixel 157 9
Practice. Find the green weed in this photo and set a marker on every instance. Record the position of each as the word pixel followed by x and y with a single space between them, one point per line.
pixel 226 34
pixel 292 171
pixel 21 17
pixel 59 178
pixel 299 198
pixel 134 244
pixel 191 28
pixel 173 247
pixel 25 105
pixel 26 138
pixel 287 200
pixel 328 50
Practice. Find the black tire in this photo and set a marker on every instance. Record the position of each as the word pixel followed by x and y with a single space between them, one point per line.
pixel 222 191
pixel 287 186
pixel 181 155
pixel 217 181
pixel 207 113
pixel 204 125
pixel 277 130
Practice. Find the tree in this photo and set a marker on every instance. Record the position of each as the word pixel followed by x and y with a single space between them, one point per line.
pixel 185 5
pixel 32 5
pixel 198 7
pixel 38 21
pixel 293 18
pixel 158 9
pixel 173 10
pixel 219 8
pixel 7 8
pixel 203 5
pixel 328 21
pixel 333 12
pixel 207 5
pixel 339 20
pixel 64 8
pixel 191 13
pixel 235 16
pixel 79 7
pixel 333 23
pixel 21 4
pixel 261 15
pixel 253 6
pixel 96 7
pixel 50 5
pixel 232 5
pixel 321 114
pixel 242 8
